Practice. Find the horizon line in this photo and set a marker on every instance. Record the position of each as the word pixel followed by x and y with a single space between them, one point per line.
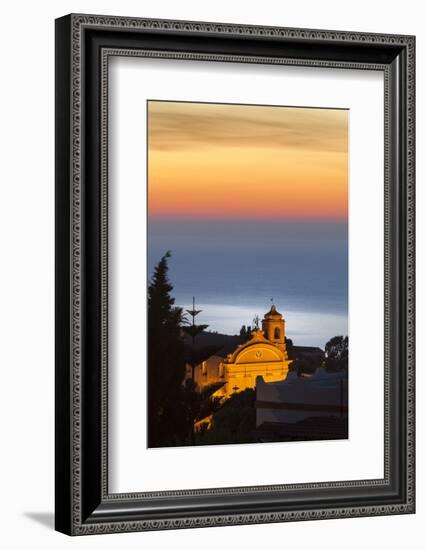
pixel 238 219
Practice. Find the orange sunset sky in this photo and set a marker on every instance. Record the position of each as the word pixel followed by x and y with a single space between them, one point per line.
pixel 214 161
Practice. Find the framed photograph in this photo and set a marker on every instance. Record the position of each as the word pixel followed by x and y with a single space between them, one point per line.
pixel 234 274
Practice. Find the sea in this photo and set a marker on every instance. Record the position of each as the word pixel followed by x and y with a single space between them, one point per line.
pixel 236 269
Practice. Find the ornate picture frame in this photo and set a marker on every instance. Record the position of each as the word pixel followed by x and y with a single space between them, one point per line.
pixel 84 44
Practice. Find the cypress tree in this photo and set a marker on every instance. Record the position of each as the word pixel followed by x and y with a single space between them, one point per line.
pixel 167 424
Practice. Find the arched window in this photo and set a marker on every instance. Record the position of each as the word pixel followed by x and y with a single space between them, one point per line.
pixel 277 334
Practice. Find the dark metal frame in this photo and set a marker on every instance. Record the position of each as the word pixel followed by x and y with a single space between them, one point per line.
pixel 83 45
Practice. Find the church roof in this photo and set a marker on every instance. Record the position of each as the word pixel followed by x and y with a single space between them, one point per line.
pixel 273 313
pixel 257 338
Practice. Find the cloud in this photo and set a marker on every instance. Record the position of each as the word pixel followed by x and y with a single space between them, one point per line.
pixel 177 126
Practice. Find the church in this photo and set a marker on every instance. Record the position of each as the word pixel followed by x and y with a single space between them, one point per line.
pixel 264 354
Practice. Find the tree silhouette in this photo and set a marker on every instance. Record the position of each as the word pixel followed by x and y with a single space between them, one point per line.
pixel 193 330
pixel 166 361
pixel 196 355
pixel 289 347
pixel 336 354
pixel 234 422
pixel 245 333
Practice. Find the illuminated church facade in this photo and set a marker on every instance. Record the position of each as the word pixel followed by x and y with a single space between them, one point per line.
pixel 264 354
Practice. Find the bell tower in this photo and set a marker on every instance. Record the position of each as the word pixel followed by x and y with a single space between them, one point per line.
pixel 273 326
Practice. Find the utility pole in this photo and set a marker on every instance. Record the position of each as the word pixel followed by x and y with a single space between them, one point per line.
pixel 193 312
pixel 193 330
